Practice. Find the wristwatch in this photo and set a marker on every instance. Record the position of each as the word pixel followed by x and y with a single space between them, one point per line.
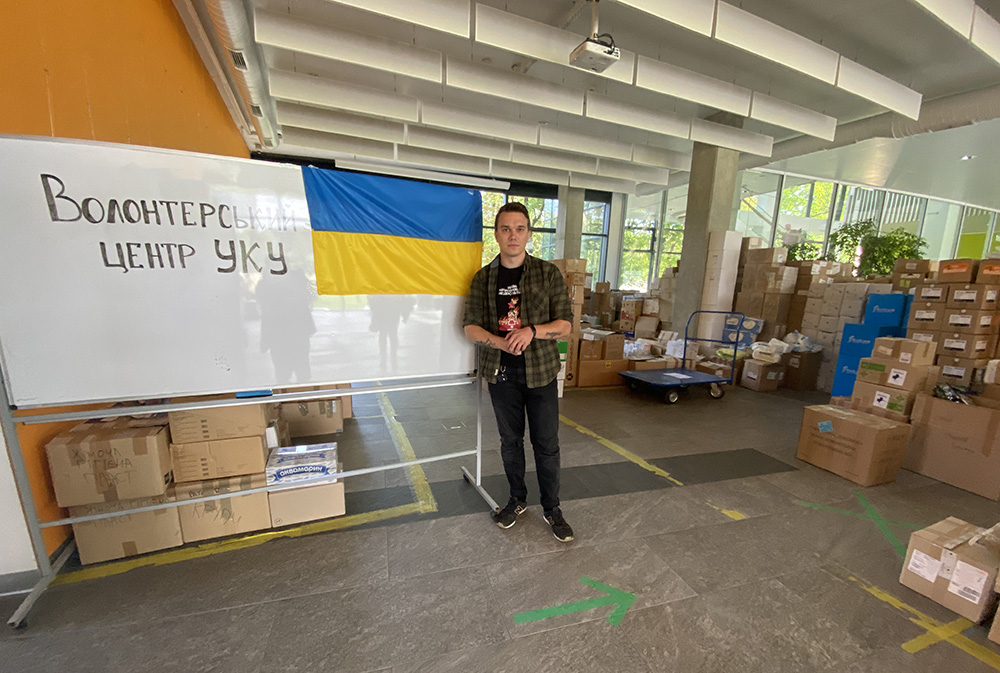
pixel 534 332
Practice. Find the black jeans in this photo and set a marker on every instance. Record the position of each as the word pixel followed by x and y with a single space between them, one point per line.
pixel 512 399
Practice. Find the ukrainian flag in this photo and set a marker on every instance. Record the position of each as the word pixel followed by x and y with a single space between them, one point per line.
pixel 378 235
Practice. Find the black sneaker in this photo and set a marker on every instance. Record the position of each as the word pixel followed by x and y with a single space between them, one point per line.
pixel 507 517
pixel 560 528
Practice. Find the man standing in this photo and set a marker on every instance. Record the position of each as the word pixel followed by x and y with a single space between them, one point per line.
pixel 518 307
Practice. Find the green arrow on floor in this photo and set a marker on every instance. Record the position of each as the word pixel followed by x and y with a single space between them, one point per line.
pixel 622 599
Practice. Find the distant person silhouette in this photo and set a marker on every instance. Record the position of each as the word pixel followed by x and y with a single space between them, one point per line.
pixel 286 324
pixel 387 312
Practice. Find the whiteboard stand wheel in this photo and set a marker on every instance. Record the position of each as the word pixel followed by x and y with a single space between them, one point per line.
pixel 673 396
pixel 20 626
pixel 717 391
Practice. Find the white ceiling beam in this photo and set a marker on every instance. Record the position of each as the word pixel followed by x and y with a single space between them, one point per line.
pixel 445 141
pixel 692 86
pixel 614 111
pixel 623 171
pixel 447 16
pixel 559 139
pixel 540 41
pixel 332 142
pixel 403 171
pixel 787 115
pixel 284 32
pixel 536 156
pixel 867 83
pixel 447 117
pixel 419 156
pixel 732 138
pixel 696 15
pixel 341 96
pixel 343 123
pixel 584 181
pixel 986 34
pixel 513 171
pixel 657 156
pixel 508 85
pixel 958 14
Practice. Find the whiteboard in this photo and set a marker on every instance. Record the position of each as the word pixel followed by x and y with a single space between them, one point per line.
pixel 133 273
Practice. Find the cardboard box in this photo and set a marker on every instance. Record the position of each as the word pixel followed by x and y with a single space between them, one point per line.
pixel 957 444
pixel 859 340
pixel 969 321
pixel 297 505
pixel 725 240
pixel 906 351
pixel 601 373
pixel 571 347
pixel 895 374
pixel 762 376
pixel 829 323
pixel 127 535
pixel 723 259
pixel 656 363
pixel 867 396
pixel 923 335
pixel 810 323
pixel 767 256
pixel 202 425
pixel 817 288
pixel 227 516
pixel 906 282
pixel 862 448
pixel 651 307
pixel 989 271
pixel 104 462
pixel 750 304
pixel 926 316
pixel 605 288
pixel 962 372
pixel 974 296
pixel 200 461
pixel 646 327
pixel 885 309
pixel 316 417
pixel 803 370
pixel 776 307
pixel 780 280
pixel 914 266
pixel 570 265
pixel 948 564
pixel 958 345
pixel 591 350
pixel 931 292
pixel 301 463
pixel 958 270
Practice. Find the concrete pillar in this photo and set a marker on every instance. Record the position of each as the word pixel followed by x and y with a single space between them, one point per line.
pixel 616 228
pixel 709 208
pixel 569 229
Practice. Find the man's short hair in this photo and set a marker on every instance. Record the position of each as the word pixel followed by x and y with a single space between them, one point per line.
pixel 512 207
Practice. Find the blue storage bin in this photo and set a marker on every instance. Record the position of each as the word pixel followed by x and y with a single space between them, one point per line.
pixel 886 309
pixel 846 374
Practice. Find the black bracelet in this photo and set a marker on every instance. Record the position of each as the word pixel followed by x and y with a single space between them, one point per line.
pixel 534 332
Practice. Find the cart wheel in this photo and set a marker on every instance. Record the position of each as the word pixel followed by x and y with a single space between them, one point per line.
pixel 633 386
pixel 673 396
pixel 717 391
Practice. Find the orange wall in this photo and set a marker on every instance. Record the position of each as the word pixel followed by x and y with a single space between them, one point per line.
pixel 121 71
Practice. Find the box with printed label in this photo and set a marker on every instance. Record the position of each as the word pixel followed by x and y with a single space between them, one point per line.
pixel 974 296
pixel 914 266
pixel 969 321
pixel 600 373
pixel 741 338
pixel 905 282
pixel 200 461
pixel 98 462
pixel 311 418
pixel 892 373
pixel 301 463
pixel 859 340
pixel 926 316
pixel 958 345
pixel 954 564
pixel 862 448
pixel 989 271
pixel 762 376
pixel 126 535
pixel 923 335
pixel 885 309
pixel 907 351
pixel 803 370
pixel 962 372
pixel 845 374
pixel 869 395
pixel 958 270
pixel 931 292
pixel 957 444
pixel 308 503
pixel 767 256
pixel 747 323
pixel 226 516
pixel 202 425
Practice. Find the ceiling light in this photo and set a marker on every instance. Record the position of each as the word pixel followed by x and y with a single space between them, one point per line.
pixel 968 157
pixel 448 16
pixel 284 32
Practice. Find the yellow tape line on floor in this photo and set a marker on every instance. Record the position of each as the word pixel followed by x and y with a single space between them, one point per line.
pixel 620 450
pixel 936 631
pixel 425 498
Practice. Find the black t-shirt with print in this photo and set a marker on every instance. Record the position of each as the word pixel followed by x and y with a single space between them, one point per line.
pixel 509 309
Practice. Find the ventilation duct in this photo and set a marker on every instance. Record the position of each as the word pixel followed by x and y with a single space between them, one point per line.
pixel 232 25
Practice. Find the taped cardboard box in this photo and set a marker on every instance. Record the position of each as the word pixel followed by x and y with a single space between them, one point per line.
pixel 926 316
pixel 317 417
pixel 969 321
pixel 906 351
pixel 201 461
pixel 954 564
pixel 918 334
pixel 961 372
pixel 957 444
pixel 934 293
pixel 958 270
pixel 104 462
pixel 873 397
pixel 127 535
pixel 974 296
pixel 803 370
pixel 767 256
pixel 958 345
pixel 234 515
pixel 895 374
pixel 762 376
pixel 202 425
pixel 862 448
pixel 310 503
pixel 601 373
pixel 914 266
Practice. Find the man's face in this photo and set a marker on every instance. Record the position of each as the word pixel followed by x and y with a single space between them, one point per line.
pixel 512 233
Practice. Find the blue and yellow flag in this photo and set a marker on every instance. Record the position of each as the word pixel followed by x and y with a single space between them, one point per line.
pixel 378 235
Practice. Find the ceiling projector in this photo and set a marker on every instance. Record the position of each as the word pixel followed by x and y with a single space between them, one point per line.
pixel 594 56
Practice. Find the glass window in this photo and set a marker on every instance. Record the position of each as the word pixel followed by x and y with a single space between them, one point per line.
pixel 902 211
pixel 802 216
pixel 754 210
pixel 594 241
pixel 975 228
pixel 857 204
pixel 544 215
pixel 672 229
pixel 491 204
pixel 642 220
pixel 940 227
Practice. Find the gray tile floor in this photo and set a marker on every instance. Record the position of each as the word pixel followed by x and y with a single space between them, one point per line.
pixel 729 573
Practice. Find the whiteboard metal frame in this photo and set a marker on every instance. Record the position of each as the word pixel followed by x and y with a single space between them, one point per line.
pixel 49 568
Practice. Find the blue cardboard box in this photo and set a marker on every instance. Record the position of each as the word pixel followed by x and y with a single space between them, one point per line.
pixel 885 309
pixel 846 374
pixel 754 325
pixel 859 340
pixel 906 312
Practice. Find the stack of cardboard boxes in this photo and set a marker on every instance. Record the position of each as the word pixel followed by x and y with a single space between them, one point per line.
pixel 748 243
pixel 908 273
pixel 604 304
pixel 665 297
pixel 767 288
pixel 602 356
pixel 574 272
pixel 719 289
pixel 884 316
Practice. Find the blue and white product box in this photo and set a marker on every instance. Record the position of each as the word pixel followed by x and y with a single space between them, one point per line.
pixel 859 340
pixel 886 309
pixel 289 464
pixel 754 325
pixel 906 312
pixel 730 334
pixel 846 374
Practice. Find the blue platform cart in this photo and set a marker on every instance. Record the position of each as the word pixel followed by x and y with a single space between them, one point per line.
pixel 670 382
